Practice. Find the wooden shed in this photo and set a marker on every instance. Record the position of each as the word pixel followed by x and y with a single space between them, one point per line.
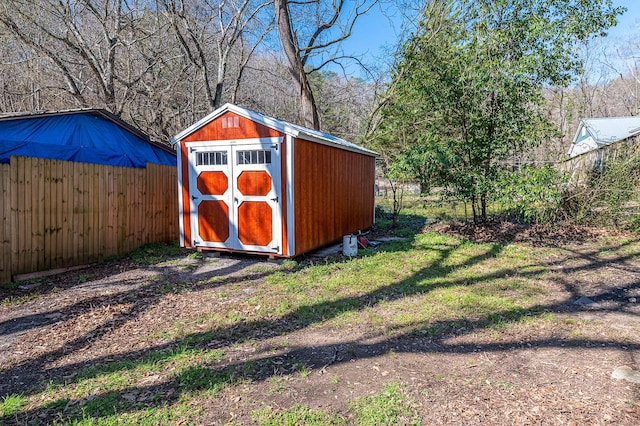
pixel 252 183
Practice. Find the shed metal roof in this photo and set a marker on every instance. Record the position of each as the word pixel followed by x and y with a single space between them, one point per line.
pixel 283 126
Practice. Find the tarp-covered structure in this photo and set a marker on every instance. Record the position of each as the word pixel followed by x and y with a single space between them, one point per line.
pixel 88 136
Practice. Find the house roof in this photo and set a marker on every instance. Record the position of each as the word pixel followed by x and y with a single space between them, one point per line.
pixel 595 133
pixel 612 129
pixel 84 135
pixel 283 126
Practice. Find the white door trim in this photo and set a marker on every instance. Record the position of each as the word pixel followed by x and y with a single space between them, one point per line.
pixel 291 231
pixel 232 197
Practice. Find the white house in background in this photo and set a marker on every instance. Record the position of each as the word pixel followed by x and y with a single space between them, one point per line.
pixel 597 141
pixel 595 133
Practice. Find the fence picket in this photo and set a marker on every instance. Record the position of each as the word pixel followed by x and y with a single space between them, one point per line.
pixel 59 214
pixel 5 224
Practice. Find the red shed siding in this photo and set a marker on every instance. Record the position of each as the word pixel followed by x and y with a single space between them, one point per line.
pixel 333 194
pixel 246 129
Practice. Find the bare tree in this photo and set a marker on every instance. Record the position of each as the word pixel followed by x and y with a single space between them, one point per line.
pixel 344 103
pixel 221 23
pixel 90 42
pixel 21 77
pixel 266 87
pixel 622 59
pixel 607 87
pixel 163 64
pixel 314 29
pixel 247 50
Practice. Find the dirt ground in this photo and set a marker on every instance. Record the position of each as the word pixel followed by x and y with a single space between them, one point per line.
pixel 552 375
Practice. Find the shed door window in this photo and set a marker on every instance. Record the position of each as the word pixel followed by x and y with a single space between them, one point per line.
pixel 211 158
pixel 256 156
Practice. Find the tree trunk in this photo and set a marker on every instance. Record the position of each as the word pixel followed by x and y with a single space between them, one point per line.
pixel 424 187
pixel 295 65
pixel 474 209
pixel 222 71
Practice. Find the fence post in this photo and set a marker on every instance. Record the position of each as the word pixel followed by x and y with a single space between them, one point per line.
pixel 5 224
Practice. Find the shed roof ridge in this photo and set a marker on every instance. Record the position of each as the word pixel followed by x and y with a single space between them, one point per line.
pixel 279 124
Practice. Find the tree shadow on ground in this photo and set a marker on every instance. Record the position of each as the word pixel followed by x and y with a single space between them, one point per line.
pixel 427 337
pixel 140 292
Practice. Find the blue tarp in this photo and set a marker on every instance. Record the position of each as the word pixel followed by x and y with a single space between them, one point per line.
pixel 78 137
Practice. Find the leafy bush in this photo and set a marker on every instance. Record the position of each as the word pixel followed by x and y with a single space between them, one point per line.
pixel 610 197
pixel 532 194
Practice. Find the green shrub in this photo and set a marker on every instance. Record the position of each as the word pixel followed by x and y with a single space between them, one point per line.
pixel 532 194
pixel 610 197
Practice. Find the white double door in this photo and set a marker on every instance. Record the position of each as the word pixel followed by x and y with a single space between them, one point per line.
pixel 235 194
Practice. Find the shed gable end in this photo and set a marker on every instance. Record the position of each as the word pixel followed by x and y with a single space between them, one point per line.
pixel 231 126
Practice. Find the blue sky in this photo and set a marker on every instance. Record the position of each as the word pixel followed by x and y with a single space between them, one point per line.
pixel 630 21
pixel 374 34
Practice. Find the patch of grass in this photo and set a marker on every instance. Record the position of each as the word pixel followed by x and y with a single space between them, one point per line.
pixel 423 206
pixel 198 378
pixel 162 415
pixel 410 284
pixel 97 397
pixel 302 370
pixel 389 407
pixel 289 265
pixel 120 375
pixel 175 287
pixel 283 307
pixel 415 283
pixel 196 255
pixel 19 300
pixel 106 404
pixel 277 384
pixel 9 285
pixel 261 268
pixel 114 380
pixel 548 316
pixel 428 285
pixel 297 415
pixel 155 253
pixel 84 278
pixel 506 386
pixel 55 406
pixel 11 404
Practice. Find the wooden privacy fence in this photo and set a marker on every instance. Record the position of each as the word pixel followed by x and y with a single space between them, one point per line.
pixel 58 214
